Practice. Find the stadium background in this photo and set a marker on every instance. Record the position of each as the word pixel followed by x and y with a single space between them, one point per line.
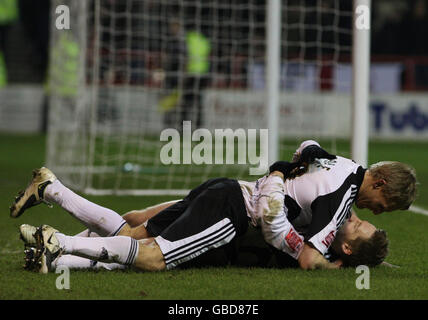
pixel 399 131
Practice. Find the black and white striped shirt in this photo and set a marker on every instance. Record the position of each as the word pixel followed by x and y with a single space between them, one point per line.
pixel 320 201
pixel 315 204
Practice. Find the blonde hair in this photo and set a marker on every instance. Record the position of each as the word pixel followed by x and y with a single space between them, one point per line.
pixel 400 188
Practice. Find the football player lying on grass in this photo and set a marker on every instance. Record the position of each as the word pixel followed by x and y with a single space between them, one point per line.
pixel 249 251
pixel 299 207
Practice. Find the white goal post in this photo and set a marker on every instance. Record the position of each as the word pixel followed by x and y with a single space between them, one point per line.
pixel 360 83
pixel 128 72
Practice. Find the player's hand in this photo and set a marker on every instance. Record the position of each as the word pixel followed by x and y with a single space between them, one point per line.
pixel 312 152
pixel 338 263
pixel 284 167
pixel 277 173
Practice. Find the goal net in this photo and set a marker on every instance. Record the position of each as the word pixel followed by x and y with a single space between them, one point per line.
pixel 154 97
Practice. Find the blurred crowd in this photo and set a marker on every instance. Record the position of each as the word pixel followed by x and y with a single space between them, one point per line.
pixel 24 40
pixel 399 27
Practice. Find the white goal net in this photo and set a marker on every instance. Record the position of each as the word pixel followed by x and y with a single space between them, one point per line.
pixel 127 74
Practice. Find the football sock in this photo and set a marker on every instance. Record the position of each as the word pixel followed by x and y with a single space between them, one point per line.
pixel 76 262
pixel 98 219
pixel 87 233
pixel 119 249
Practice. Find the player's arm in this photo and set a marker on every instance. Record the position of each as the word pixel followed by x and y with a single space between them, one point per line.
pixel 327 211
pixel 310 150
pixel 303 145
pixel 310 258
pixel 276 229
pixel 280 233
pixel 305 155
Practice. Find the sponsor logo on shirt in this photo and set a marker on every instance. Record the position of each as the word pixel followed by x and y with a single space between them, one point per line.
pixel 328 239
pixel 294 241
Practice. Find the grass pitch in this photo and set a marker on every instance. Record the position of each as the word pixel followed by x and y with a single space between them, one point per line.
pixel 407 233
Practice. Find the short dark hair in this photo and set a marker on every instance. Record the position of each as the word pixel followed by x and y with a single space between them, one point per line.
pixel 371 252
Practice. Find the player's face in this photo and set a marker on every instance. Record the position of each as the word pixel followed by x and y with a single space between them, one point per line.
pixel 372 199
pixel 356 228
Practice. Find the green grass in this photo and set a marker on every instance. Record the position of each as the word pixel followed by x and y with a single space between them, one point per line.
pixel 407 232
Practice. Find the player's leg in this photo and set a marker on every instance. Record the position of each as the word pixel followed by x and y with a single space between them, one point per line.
pixel 47 244
pixel 45 187
pixel 120 250
pixel 213 218
pixel 136 218
pixel 101 220
pixel 150 256
pixel 137 233
pixel 215 231
pixel 76 262
pixel 117 249
pixel 87 233
pixel 110 253
pixel 171 210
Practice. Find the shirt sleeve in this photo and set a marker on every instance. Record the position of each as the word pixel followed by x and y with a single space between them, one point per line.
pixel 329 212
pixel 302 146
pixel 276 229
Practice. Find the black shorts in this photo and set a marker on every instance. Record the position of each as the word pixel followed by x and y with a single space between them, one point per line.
pixel 209 217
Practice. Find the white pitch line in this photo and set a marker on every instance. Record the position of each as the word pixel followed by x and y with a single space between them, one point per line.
pixel 418 210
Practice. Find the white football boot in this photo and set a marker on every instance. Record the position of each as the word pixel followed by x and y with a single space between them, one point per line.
pixel 27 234
pixel 41 247
pixel 33 194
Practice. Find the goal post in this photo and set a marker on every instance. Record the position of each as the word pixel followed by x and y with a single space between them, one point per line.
pixel 154 97
pixel 360 82
pixel 273 66
pixel 69 95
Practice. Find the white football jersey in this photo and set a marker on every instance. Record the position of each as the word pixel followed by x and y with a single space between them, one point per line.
pixel 315 204
pixel 264 200
pixel 320 201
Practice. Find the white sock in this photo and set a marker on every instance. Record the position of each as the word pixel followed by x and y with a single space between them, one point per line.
pixel 87 233
pixel 76 262
pixel 103 221
pixel 119 249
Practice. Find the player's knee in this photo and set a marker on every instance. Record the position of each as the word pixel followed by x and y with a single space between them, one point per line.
pixel 150 257
pixel 132 218
pixel 158 265
pixel 125 231
pixel 139 232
